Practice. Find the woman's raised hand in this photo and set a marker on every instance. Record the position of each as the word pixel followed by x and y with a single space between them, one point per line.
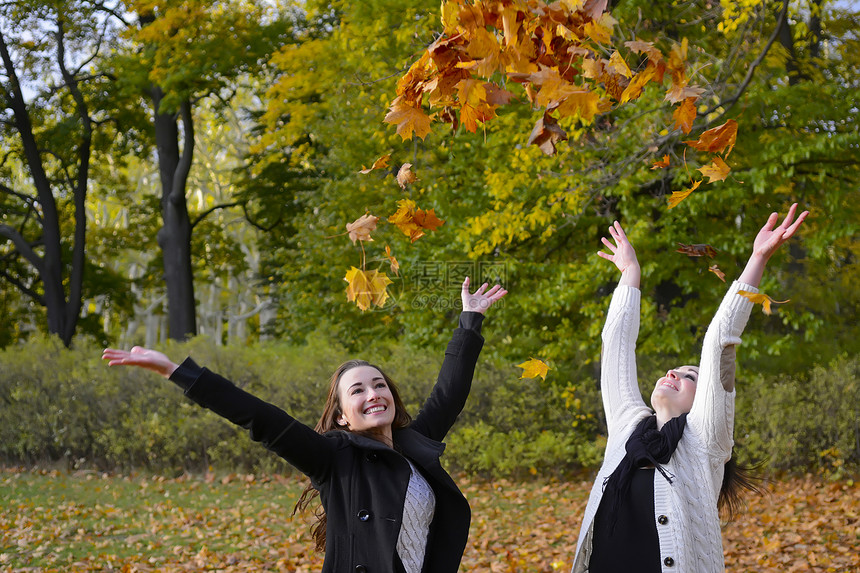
pixel 143 357
pixel 767 241
pixel 623 255
pixel 482 299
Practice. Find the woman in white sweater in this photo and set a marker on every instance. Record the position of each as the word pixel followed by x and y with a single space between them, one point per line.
pixel 654 504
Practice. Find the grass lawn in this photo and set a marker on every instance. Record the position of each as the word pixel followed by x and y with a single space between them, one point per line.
pixel 55 521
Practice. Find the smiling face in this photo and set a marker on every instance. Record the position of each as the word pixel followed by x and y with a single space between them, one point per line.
pixel 674 393
pixel 366 402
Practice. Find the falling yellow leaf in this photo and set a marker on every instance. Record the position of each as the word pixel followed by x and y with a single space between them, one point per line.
pixel 716 270
pixel 678 196
pixel 716 171
pixel 380 163
pixel 760 298
pixel 366 288
pixel 395 266
pixel 533 368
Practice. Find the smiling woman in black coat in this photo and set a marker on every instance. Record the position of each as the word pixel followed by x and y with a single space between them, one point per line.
pixel 389 506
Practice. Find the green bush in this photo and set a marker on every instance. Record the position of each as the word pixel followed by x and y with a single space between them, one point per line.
pixel 67 406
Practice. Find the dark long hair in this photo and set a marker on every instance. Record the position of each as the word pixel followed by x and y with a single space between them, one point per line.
pixel 328 422
pixel 737 482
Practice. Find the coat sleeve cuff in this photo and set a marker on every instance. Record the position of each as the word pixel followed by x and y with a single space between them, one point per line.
pixel 187 374
pixel 471 321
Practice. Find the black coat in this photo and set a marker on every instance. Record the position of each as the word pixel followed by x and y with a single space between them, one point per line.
pixel 362 483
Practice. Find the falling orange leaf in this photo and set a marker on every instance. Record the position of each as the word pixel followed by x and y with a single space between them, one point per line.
pixel 716 270
pixel 395 266
pixel 405 175
pixel 717 139
pixel 380 163
pixel 685 114
pixel 716 171
pixel 546 134
pixel 366 288
pixel 618 65
pixel 359 230
pixel 661 163
pixel 682 92
pixel 533 368
pixel 412 221
pixel 760 298
pixel 697 250
pixel 678 196
pixel 408 118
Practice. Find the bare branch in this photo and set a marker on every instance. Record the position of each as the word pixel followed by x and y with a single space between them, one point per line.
pixel 23 247
pixel 205 213
pixel 22 287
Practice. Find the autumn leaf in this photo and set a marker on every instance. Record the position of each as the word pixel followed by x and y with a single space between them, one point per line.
pixel 408 118
pixel 395 266
pixel 678 196
pixel 366 288
pixel 716 270
pixel 546 134
pixel 681 92
pixel 717 139
pixel 380 163
pixel 647 48
pixel 697 250
pixel 359 230
pixel 405 175
pixel 413 221
pixel 618 65
pixel 661 163
pixel 760 298
pixel 716 171
pixel 685 114
pixel 533 368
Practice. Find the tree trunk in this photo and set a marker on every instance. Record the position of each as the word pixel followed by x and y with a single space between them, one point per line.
pixel 174 237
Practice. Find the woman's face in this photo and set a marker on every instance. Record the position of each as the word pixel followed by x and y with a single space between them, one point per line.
pixel 674 392
pixel 366 402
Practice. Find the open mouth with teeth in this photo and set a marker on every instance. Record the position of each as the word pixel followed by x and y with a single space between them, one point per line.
pixel 670 385
pixel 376 409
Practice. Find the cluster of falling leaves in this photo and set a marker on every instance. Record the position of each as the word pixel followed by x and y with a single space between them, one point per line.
pixel 368 288
pixel 556 52
pixel 700 250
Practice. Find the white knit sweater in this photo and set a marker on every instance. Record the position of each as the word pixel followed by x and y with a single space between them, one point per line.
pixel 685 513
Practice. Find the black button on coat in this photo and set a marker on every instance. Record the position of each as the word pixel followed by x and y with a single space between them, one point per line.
pixel 362 483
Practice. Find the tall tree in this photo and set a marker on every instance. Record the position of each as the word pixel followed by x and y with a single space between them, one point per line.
pixel 49 130
pixel 183 52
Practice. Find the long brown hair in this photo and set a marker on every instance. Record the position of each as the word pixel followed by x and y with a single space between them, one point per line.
pixel 328 422
pixel 736 479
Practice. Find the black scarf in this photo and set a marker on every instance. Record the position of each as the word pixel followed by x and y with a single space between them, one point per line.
pixel 646 446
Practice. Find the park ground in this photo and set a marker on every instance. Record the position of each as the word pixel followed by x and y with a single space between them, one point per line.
pixel 90 521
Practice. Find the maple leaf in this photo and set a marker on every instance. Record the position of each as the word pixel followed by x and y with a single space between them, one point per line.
pixel 546 134
pixel 716 171
pixel 685 114
pixel 717 139
pixel 380 163
pixel 408 118
pixel 580 103
pixel 634 88
pixel 405 175
pixel 618 65
pixel 647 48
pixel 678 196
pixel 359 230
pixel 680 92
pixel 661 163
pixel 716 270
pixel 412 221
pixel 533 368
pixel 366 288
pixel 697 250
pixel 760 298
pixel 395 266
